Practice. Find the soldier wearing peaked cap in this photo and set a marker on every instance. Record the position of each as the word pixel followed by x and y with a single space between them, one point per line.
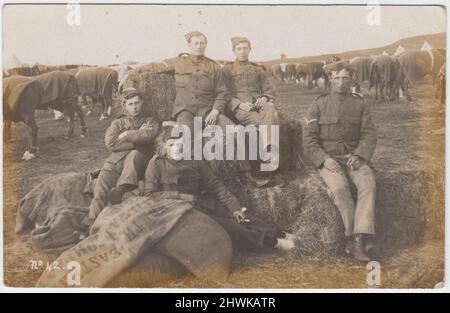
pixel 340 138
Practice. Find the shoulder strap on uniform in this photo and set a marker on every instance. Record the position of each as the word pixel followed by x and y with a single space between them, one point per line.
pixel 214 61
pixel 322 95
pixel 358 95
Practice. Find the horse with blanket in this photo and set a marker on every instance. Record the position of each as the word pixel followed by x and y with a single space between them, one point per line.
pixel 387 75
pixel 314 72
pixel 98 83
pixel 23 95
pixel 361 66
pixel 416 64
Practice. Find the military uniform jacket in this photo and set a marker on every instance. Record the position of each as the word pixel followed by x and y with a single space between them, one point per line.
pixel 246 82
pixel 135 139
pixel 336 127
pixel 186 176
pixel 199 85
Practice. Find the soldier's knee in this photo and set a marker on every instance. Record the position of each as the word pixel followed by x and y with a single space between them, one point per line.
pixel 367 180
pixel 337 188
pixel 134 153
pixel 368 185
pixel 270 105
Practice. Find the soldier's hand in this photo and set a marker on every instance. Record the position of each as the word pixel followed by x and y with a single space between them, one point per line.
pixel 245 106
pixel 123 135
pixel 260 102
pixel 186 196
pixel 354 162
pixel 145 126
pixel 332 165
pixel 239 215
pixel 211 119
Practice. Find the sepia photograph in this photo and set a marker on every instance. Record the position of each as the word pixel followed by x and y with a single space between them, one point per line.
pixel 290 146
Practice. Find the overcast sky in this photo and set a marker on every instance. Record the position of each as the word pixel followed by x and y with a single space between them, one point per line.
pixel 111 34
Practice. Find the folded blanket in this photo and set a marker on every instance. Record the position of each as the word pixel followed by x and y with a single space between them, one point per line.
pixel 55 211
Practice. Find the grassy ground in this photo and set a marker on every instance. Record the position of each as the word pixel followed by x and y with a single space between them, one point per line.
pixel 405 142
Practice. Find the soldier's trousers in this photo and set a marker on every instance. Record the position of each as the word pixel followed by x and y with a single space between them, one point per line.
pixel 126 172
pixel 187 118
pixel 267 115
pixel 357 219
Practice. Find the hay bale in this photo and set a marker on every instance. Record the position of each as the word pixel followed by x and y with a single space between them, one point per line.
pixel 159 89
pixel 302 206
pixel 299 203
pixel 401 206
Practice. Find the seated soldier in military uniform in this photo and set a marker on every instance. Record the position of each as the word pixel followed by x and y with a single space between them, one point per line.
pixel 251 91
pixel 130 140
pixel 168 175
pixel 340 138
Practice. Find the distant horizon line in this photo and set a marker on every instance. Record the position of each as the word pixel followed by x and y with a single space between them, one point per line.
pixel 225 60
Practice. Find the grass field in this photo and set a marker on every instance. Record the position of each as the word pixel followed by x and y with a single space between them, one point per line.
pixel 406 142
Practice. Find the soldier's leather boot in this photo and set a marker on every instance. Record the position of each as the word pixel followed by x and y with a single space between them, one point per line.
pixel 115 195
pixel 369 245
pixel 358 251
pixel 348 244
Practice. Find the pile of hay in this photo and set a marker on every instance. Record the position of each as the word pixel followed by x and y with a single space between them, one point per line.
pixel 403 205
pixel 298 201
pixel 159 91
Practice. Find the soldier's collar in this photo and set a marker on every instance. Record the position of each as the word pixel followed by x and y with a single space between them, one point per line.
pixel 339 96
pixel 196 58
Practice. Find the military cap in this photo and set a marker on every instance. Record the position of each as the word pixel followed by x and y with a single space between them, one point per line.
pixel 132 92
pixel 194 33
pixel 237 40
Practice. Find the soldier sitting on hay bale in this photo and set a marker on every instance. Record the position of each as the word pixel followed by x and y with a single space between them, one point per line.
pixel 252 93
pixel 129 138
pixel 340 138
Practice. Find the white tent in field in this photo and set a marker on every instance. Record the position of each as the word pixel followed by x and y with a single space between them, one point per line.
pixel 426 46
pixel 11 61
pixel 385 53
pixel 399 50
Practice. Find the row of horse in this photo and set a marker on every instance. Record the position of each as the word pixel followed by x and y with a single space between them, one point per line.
pixel 387 74
pixel 65 91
